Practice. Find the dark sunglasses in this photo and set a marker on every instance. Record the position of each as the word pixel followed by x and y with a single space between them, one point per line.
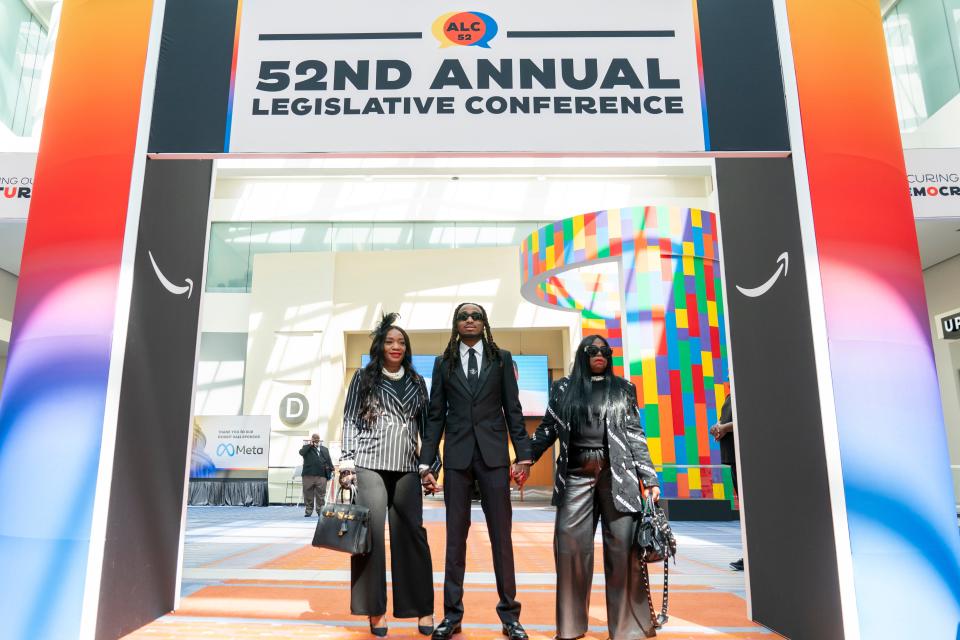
pixel 463 316
pixel 593 351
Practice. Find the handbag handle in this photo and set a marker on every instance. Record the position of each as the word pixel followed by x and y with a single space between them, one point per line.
pixel 353 494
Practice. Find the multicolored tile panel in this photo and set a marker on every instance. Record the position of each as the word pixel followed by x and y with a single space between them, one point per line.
pixel 672 344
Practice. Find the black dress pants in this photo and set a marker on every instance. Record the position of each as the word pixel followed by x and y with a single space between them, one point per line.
pixel 588 498
pixel 494 483
pixel 398 495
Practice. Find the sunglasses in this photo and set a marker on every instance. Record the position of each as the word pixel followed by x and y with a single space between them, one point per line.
pixel 474 315
pixel 593 351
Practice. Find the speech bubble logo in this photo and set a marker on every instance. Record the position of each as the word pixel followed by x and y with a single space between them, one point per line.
pixel 464 29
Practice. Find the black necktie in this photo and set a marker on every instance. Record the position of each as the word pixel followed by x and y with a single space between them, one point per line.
pixel 473 370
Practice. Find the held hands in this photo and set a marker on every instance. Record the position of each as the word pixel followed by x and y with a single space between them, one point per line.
pixel 520 472
pixel 652 492
pixel 429 484
pixel 721 429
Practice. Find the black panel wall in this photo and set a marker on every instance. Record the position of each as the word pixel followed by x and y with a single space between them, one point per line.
pixel 146 500
pixel 741 71
pixel 193 77
pixel 794 585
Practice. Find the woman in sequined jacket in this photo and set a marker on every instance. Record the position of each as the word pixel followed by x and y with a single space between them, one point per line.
pixel 603 474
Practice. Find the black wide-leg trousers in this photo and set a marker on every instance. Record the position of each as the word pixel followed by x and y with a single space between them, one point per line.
pixel 588 498
pixel 494 485
pixel 396 497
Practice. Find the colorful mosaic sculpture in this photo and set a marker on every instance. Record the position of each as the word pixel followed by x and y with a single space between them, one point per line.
pixel 658 269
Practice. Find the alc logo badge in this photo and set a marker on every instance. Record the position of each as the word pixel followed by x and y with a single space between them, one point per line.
pixel 464 29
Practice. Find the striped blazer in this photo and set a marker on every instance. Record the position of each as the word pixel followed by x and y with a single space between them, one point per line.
pixel 390 442
pixel 628 454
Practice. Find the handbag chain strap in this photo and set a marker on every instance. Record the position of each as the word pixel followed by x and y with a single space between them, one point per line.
pixel 658 620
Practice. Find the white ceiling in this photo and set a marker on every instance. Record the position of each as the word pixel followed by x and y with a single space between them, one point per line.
pixel 939 240
pixel 11 244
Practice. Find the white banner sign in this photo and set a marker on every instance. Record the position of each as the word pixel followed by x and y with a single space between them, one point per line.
pixel 230 443
pixel 16 183
pixel 429 76
pixel 933 177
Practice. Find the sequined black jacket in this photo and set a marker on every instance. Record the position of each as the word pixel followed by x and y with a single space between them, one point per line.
pixel 629 456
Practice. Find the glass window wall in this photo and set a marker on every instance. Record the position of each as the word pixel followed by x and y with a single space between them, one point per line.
pixel 924 53
pixel 233 245
pixel 23 49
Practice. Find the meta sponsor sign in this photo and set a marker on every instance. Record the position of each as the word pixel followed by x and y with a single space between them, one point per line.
pixel 232 443
pixel 16 183
pixel 536 75
pixel 933 179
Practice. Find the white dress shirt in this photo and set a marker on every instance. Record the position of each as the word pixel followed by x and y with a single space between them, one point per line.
pixel 465 357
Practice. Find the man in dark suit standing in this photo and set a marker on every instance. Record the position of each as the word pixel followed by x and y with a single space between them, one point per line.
pixel 723 433
pixel 475 400
pixel 317 469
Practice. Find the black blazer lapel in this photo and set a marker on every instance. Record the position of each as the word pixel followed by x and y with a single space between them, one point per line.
pixel 460 376
pixel 409 399
pixel 485 369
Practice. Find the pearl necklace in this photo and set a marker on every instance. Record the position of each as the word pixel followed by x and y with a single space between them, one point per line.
pixel 393 376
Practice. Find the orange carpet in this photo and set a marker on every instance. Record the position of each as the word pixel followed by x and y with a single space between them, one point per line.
pixel 703 602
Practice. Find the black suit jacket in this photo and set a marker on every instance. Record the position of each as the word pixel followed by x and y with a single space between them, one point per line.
pixel 475 419
pixel 629 457
pixel 316 461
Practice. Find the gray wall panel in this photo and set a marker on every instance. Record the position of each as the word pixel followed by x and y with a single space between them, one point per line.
pixel 790 539
pixel 146 500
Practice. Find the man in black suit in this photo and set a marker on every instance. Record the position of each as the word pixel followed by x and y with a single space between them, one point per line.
pixel 317 469
pixel 475 400
pixel 723 433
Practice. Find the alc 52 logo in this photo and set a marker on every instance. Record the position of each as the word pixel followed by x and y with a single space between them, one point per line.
pixel 464 29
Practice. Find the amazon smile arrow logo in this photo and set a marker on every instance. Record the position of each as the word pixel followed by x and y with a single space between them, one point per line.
pixel 169 286
pixel 756 292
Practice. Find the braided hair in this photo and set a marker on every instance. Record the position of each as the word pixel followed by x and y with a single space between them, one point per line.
pixel 372 374
pixel 451 355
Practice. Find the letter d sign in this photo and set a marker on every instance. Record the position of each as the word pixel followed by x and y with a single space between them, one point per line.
pixel 294 408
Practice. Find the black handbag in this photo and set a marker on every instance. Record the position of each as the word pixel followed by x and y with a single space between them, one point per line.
pixel 344 526
pixel 655 542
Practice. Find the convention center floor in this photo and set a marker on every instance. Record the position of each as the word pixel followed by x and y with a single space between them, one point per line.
pixel 251 573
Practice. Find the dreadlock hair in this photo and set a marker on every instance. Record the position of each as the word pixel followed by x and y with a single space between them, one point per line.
pixel 575 405
pixel 372 374
pixel 452 353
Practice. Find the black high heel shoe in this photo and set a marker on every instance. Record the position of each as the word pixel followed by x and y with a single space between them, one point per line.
pixel 425 630
pixel 380 632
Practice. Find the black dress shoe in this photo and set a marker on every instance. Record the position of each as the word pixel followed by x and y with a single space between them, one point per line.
pixel 446 629
pixel 738 565
pixel 425 629
pixel 514 631
pixel 379 632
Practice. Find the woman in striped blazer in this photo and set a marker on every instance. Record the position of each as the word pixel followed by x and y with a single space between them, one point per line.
pixel 383 421
pixel 603 473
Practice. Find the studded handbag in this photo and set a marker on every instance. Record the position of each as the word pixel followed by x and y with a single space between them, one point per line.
pixel 344 526
pixel 655 542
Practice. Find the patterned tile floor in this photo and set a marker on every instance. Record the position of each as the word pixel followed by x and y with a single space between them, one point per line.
pixel 250 573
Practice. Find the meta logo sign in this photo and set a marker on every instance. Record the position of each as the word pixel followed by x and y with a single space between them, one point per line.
pixel 294 408
pixel 464 29
pixel 230 449
pixel 950 326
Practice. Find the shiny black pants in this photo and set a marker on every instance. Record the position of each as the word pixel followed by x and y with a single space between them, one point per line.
pixel 588 499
